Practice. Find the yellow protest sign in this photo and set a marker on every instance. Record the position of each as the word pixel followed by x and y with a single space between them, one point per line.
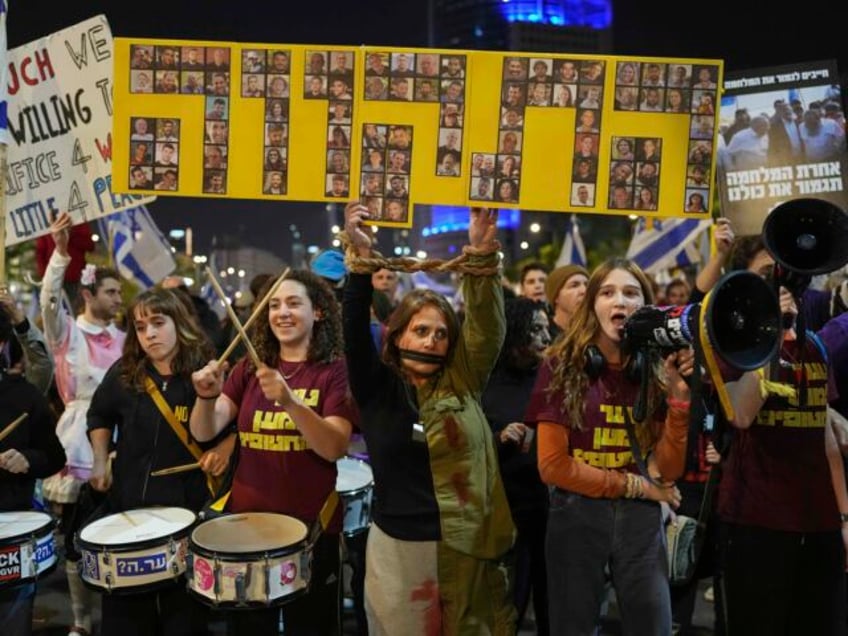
pixel 395 127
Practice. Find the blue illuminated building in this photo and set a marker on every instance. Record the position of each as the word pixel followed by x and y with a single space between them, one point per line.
pixel 595 14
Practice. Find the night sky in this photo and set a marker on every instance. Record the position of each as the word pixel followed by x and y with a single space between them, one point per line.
pixel 745 37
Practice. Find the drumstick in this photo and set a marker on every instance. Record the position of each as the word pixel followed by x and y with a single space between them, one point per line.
pixel 256 311
pixel 234 319
pixel 175 469
pixel 13 425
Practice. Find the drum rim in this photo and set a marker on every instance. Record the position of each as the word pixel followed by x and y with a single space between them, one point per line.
pixel 254 555
pixel 249 605
pixel 41 531
pixel 92 546
pixel 352 493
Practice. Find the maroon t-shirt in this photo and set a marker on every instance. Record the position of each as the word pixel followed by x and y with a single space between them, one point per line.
pixel 777 475
pixel 276 471
pixel 603 441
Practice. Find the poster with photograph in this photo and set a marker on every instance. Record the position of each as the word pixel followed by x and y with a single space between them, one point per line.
pixel 60 139
pixel 782 137
pixel 513 129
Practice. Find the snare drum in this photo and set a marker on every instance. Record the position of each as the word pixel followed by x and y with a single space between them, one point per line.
pixel 135 551
pixel 355 485
pixel 27 547
pixel 247 560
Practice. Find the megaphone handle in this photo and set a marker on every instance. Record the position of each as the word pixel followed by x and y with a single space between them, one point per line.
pixel 640 408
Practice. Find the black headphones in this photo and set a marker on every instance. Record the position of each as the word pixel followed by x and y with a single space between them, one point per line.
pixel 596 363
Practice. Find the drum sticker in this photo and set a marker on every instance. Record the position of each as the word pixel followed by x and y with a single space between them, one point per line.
pixel 288 572
pixel 90 566
pixel 10 564
pixel 140 566
pixel 203 574
pixel 45 552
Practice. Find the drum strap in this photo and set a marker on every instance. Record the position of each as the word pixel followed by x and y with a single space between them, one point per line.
pixel 180 431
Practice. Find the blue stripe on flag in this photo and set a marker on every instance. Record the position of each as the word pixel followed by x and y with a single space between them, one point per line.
pixel 667 243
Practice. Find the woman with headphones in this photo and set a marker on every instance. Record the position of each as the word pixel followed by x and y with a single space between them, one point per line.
pixel 604 512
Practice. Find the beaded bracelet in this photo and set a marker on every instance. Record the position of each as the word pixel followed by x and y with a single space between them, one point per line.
pixel 210 397
pixel 680 405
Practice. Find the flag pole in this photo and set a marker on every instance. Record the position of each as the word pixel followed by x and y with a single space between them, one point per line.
pixel 3 169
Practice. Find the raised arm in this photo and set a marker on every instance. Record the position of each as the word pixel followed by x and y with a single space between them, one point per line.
pixel 723 238
pixel 55 325
pixel 212 409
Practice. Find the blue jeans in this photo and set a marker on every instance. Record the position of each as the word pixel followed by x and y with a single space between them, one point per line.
pixel 584 536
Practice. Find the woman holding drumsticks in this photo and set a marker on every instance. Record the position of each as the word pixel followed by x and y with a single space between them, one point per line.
pixel 295 414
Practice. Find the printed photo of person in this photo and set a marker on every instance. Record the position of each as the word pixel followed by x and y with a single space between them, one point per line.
pixel 140 153
pixel 648 173
pixel 648 149
pixel 585 170
pixel 279 61
pixel 167 57
pixel 701 127
pixel 399 161
pixel 514 95
pixel 275 159
pixel 481 189
pixel 315 87
pixel 621 173
pixel 141 178
pixel 540 70
pixel 705 77
pixel 583 194
pixel 449 164
pixel 338 137
pixel 507 191
pixel 167 154
pixel 216 132
pixel 274 183
pixel 515 69
pixel 624 148
pixel 337 186
pixel 564 95
pixel 400 137
pixel 141 81
pixel 590 97
pixel 512 118
pixel 377 64
pixel 253 61
pixel 450 140
pixel 141 57
pixel 426 90
pixel 217 83
pixel 142 129
pixel 166 82
pixel 696 201
pixel 453 91
pixel 315 63
pixel 565 71
pixel 376 88
pixel 653 74
pixel 395 211
pixel 217 59
pixel 165 179
pixel 214 182
pixel 539 94
pixel 216 107
pixel 339 113
pixel 372 160
pixel 509 166
pixel 191 83
pixel 453 66
pixel 627 73
pixel 403 64
pixel 371 185
pixel 620 198
pixel 676 100
pixel 509 142
pixel 451 116
pixel 375 207
pixel 214 157
pixel 397 186
pixel 592 72
pixel 277 110
pixel 277 87
pixel 374 135
pixel 253 85
pixel 700 153
pixel 276 134
pixel 341 63
pixel 167 129
pixel 588 121
pixel 401 89
pixel 339 88
pixel 646 199
pixel 586 146
pixel 652 100
pixel 679 75
pixel 192 58
pixel 427 65
pixel 626 98
pixel 338 161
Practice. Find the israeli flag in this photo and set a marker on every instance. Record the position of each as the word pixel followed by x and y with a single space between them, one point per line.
pixel 4 65
pixel 668 244
pixel 573 251
pixel 139 250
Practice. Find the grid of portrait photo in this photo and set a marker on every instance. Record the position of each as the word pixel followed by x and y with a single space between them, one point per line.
pixel 154 153
pixel 328 75
pixel 656 87
pixel 266 74
pixel 186 70
pixel 635 173
pixel 386 166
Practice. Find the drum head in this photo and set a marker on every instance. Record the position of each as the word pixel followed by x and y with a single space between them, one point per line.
pixel 17 524
pixel 136 526
pixel 353 474
pixel 249 532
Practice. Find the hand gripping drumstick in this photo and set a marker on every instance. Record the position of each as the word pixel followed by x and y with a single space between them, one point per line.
pixel 236 323
pixel 13 425
pixel 257 310
pixel 182 468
